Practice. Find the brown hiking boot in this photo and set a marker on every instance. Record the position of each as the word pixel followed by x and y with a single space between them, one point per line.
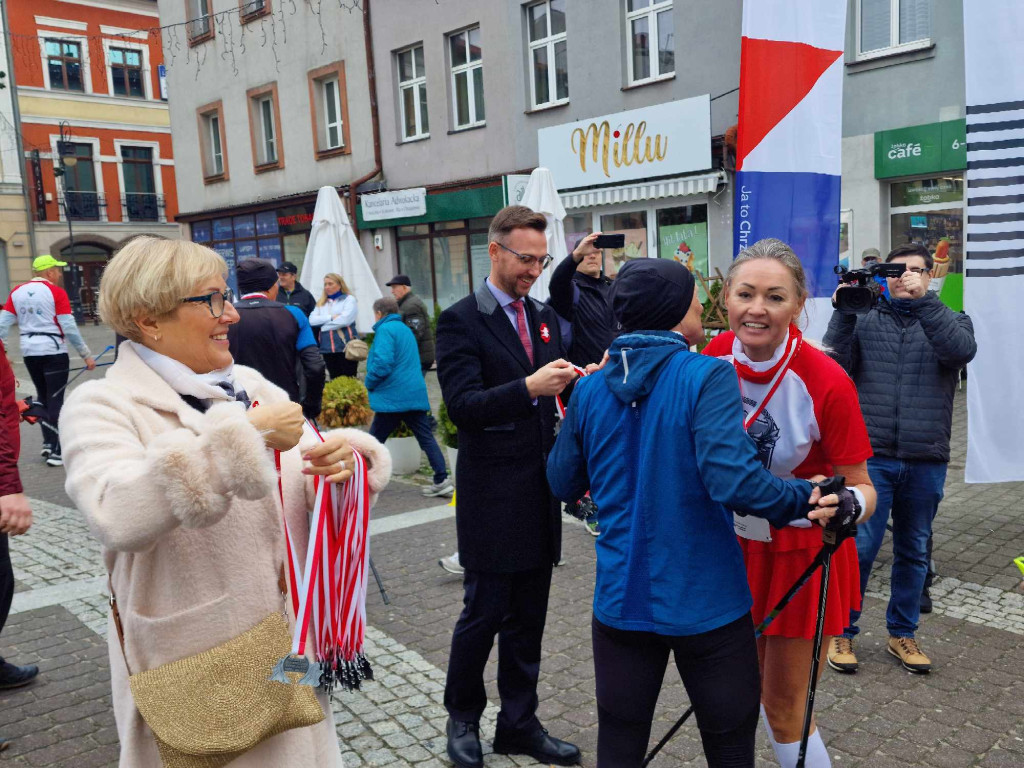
pixel 905 649
pixel 841 656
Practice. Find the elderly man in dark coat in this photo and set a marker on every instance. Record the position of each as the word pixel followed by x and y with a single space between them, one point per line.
pixel 500 367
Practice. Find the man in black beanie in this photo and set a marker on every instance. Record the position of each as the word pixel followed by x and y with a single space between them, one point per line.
pixel 657 436
pixel 276 339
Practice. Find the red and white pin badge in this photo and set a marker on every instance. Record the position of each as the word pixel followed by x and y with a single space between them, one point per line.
pixel 545 334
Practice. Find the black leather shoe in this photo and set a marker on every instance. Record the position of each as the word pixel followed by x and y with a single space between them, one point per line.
pixel 12 676
pixel 540 746
pixel 464 744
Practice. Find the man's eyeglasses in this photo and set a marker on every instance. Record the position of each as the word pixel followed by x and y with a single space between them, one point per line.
pixel 215 301
pixel 918 270
pixel 528 261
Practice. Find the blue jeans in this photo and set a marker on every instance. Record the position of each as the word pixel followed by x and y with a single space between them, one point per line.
pixel 911 492
pixel 418 421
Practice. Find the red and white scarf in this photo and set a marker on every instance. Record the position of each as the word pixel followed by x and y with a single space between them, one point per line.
pixel 773 370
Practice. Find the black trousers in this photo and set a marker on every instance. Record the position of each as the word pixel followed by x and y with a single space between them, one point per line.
pixel 339 365
pixel 49 373
pixel 514 607
pixel 719 670
pixel 6 581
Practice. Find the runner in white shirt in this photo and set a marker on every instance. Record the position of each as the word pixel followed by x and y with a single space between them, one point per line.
pixel 42 311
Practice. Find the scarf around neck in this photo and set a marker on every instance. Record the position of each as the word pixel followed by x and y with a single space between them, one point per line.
pixel 761 372
pixel 335 296
pixel 209 388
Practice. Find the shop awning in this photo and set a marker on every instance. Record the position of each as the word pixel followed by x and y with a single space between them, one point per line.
pixel 650 190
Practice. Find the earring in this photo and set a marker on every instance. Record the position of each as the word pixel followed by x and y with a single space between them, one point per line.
pixel 156 337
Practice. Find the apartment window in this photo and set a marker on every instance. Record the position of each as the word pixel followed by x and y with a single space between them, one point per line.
pixel 141 202
pixel 891 26
pixel 651 35
pixel 200 23
pixel 126 72
pixel 253 9
pixel 548 58
pixel 64 62
pixel 211 142
pixel 265 128
pixel 412 94
pixel 467 78
pixel 329 105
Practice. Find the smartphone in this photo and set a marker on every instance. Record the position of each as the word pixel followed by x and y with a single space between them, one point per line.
pixel 610 241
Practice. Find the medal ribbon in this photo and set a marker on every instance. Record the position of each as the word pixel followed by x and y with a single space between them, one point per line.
pixel 559 406
pixel 795 342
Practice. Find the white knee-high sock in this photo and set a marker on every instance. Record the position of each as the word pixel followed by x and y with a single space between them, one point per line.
pixel 787 754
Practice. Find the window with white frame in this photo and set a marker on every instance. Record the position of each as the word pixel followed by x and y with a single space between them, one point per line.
pixel 327 99
pixel 549 64
pixel 331 95
pixel 650 33
pixel 216 150
pixel 889 26
pixel 267 133
pixel 211 141
pixel 412 94
pixel 64 64
pixel 467 78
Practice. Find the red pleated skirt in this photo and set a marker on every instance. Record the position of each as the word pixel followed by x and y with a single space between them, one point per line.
pixel 773 567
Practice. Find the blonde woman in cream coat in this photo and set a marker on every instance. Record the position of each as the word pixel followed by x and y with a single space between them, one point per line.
pixel 175 479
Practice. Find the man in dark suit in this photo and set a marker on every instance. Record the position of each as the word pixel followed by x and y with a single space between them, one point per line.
pixel 499 363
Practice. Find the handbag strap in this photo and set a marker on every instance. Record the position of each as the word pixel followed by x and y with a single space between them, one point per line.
pixel 282 584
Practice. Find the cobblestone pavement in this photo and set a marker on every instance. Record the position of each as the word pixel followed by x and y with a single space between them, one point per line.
pixel 968 712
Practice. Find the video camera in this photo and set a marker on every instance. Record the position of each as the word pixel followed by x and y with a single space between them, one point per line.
pixel 866 286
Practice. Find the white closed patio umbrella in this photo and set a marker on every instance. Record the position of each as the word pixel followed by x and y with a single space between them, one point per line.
pixel 541 195
pixel 333 247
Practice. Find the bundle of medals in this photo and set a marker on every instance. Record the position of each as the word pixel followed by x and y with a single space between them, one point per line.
pixel 330 591
pixel 585 508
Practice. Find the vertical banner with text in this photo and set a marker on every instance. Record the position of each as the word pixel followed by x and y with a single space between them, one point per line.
pixel 994 242
pixel 789 137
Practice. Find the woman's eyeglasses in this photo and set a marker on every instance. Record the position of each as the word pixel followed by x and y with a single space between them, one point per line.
pixel 215 301
pixel 528 261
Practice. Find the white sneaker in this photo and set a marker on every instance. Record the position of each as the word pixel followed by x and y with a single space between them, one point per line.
pixel 444 488
pixel 55 460
pixel 452 564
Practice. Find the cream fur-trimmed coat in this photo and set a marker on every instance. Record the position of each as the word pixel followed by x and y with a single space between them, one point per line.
pixel 186 507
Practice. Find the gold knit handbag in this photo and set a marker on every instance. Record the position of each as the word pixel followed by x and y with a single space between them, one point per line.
pixel 208 709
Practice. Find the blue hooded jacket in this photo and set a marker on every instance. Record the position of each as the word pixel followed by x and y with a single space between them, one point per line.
pixel 394 378
pixel 657 436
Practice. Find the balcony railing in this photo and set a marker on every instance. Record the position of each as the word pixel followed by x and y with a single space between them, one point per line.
pixel 143 206
pixel 83 206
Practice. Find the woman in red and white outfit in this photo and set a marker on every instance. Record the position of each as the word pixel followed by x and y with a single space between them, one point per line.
pixel 801 411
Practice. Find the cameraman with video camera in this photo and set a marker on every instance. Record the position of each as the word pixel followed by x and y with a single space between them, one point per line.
pixel 904 351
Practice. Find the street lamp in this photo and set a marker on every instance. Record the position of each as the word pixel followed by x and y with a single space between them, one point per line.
pixel 66 159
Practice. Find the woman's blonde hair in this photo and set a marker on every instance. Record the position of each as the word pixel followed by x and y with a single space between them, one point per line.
pixel 771 249
pixel 339 280
pixel 150 276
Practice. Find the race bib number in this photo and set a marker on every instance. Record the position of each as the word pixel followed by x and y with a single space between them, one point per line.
pixel 750 527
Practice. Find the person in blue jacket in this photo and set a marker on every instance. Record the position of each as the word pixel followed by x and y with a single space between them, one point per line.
pixel 657 436
pixel 398 391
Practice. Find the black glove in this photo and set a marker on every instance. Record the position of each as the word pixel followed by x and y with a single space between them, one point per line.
pixel 843 525
pixel 583 509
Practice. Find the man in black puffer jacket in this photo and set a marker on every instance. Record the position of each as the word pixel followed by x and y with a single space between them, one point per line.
pixel 579 293
pixel 905 357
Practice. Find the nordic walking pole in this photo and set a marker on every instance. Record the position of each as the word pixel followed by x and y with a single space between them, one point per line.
pixel 83 370
pixel 830 542
pixel 380 584
pixel 758 631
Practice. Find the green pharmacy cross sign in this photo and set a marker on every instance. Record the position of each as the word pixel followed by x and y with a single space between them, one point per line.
pixel 921 149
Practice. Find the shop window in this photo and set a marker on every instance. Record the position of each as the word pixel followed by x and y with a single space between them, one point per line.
pixel 549 64
pixel 892 26
pixel 446 260
pixel 577 226
pixel 265 128
pixel 928 212
pixel 683 237
pixel 650 35
pixel 412 94
pixel 467 68
pixel 213 148
pixel 329 103
pixel 126 74
pixel 200 20
pixel 64 65
pixel 634 226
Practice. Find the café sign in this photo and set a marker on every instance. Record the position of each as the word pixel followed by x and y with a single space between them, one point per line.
pixel 921 149
pixel 661 140
pixel 399 204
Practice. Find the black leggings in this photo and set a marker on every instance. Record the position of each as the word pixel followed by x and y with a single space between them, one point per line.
pixel 49 373
pixel 720 672
pixel 339 365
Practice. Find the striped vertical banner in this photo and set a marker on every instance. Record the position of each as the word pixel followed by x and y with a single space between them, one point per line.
pixel 789 142
pixel 994 245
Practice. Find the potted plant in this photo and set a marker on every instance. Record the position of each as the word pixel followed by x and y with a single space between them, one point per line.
pixel 345 403
pixel 405 451
pixel 449 435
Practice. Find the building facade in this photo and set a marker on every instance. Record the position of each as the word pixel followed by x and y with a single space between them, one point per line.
pixel 95 129
pixel 270 100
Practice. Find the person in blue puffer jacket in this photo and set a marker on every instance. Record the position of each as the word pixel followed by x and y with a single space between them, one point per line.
pixel 398 391
pixel 657 436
